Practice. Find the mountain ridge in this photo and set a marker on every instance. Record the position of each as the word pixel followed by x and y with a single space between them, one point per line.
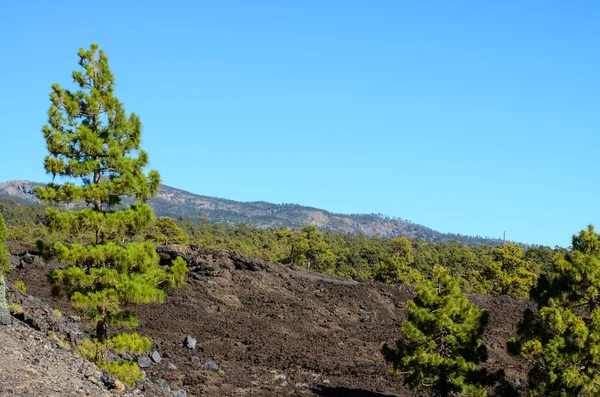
pixel 175 203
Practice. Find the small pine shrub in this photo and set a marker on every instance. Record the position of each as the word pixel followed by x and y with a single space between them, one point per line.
pixel 132 343
pixel 127 371
pixel 60 341
pixel 20 284
pixel 92 350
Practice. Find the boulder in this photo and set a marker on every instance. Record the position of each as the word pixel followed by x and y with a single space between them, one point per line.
pixel 144 361
pixel 155 356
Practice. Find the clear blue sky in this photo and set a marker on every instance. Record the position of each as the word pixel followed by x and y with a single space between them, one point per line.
pixel 474 117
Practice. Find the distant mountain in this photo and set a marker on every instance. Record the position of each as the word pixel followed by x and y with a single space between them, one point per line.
pixel 177 203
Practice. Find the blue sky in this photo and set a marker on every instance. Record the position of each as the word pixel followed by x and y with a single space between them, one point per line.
pixel 465 116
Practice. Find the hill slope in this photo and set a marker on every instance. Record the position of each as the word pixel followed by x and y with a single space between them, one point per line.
pixel 275 330
pixel 177 203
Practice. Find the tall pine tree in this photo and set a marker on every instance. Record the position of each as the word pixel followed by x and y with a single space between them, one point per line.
pixel 94 145
pixel 562 339
pixel 440 345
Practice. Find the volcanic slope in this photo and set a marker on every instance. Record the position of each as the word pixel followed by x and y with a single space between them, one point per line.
pixel 265 329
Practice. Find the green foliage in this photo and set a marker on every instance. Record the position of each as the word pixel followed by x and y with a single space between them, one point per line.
pixel 396 267
pixel 166 231
pixel 90 138
pixel 508 273
pixel 372 258
pixel 20 214
pixel 351 256
pixel 20 284
pixel 131 343
pixel 4 260
pixel 127 371
pixel 176 273
pixel 92 350
pixel 15 307
pixel 562 339
pixel 309 249
pixel 440 346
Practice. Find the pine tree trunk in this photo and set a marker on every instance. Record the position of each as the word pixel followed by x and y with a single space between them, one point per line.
pixel 101 331
pixel 444 392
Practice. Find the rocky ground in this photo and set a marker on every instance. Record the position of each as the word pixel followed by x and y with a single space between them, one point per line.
pixel 38 357
pixel 252 328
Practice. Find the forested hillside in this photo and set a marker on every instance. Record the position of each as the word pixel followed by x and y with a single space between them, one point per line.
pixel 504 268
pixel 176 203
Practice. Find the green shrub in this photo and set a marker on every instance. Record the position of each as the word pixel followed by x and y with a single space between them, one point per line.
pixel 132 343
pixel 20 284
pixel 128 372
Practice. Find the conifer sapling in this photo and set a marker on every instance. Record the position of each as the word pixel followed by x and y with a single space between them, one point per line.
pixel 440 344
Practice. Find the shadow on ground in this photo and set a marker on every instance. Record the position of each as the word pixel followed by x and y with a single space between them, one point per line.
pixel 325 391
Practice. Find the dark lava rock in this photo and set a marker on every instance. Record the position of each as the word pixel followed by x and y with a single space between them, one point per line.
pixel 108 380
pixel 25 260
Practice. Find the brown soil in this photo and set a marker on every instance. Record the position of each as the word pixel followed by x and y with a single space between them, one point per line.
pixel 280 331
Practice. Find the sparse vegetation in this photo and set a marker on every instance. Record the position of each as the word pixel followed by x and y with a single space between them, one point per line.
pixel 15 308
pixel 20 285
pixel 59 341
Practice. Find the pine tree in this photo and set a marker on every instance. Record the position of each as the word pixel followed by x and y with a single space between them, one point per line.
pixel 441 343
pixel 508 273
pixel 309 249
pixel 4 268
pixel 167 231
pixel 396 267
pixel 95 146
pixel 562 340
